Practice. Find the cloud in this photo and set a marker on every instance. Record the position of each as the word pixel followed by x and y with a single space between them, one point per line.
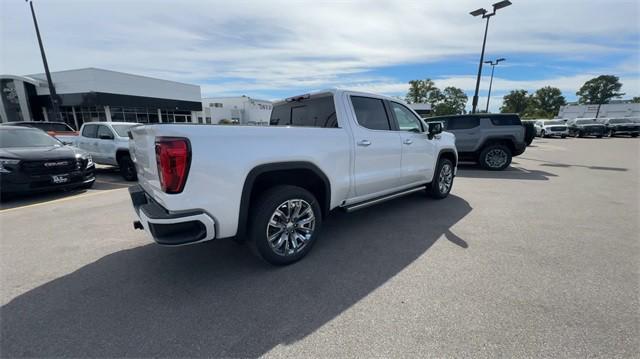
pixel 262 47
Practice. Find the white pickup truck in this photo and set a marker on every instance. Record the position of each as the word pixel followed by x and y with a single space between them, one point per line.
pixel 274 185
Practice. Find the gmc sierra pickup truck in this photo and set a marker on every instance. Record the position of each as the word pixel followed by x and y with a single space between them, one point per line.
pixel 275 184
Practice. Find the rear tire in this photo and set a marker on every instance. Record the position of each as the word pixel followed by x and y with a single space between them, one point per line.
pixel 495 157
pixel 563 136
pixel 285 224
pixel 442 182
pixel 127 168
pixel 635 134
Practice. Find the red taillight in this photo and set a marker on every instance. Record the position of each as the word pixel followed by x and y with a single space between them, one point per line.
pixel 173 156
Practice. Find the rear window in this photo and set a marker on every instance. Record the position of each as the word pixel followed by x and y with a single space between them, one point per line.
pixel 506 121
pixel 316 111
pixel 90 131
pixel 461 123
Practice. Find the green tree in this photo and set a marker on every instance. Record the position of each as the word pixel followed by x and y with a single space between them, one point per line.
pixel 453 102
pixel 423 91
pixel 545 102
pixel 636 99
pixel 600 90
pixel 516 101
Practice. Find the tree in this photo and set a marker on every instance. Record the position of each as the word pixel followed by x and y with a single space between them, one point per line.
pixel 545 102
pixel 636 99
pixel 600 90
pixel 453 102
pixel 423 91
pixel 515 101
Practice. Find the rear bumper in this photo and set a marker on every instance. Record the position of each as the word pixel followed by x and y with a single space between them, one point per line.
pixel 171 228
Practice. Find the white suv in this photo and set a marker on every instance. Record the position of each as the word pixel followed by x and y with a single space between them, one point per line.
pixel 550 128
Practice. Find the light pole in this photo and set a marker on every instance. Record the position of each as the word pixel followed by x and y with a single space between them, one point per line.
pixel 485 15
pixel 52 89
pixel 493 66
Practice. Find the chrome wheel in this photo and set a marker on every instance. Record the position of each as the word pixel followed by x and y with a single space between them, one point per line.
pixel 445 179
pixel 290 227
pixel 496 158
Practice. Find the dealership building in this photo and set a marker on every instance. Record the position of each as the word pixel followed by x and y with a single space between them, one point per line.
pixel 98 95
pixel 615 109
pixel 239 110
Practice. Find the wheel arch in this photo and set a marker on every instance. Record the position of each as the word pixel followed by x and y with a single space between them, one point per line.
pixel 450 154
pixel 300 173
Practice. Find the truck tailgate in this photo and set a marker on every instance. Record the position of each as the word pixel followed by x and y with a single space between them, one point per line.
pixel 143 154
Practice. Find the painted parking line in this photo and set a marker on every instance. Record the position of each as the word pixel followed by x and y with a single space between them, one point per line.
pixel 90 194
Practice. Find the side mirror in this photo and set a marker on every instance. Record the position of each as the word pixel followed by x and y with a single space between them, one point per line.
pixel 434 128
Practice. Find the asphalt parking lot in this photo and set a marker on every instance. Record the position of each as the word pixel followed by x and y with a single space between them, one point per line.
pixel 539 260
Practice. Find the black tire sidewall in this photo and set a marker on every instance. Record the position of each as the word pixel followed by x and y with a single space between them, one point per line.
pixel 485 151
pixel 434 187
pixel 266 204
pixel 124 163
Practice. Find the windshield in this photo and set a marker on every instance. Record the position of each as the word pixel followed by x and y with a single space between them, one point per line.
pixel 554 123
pixel 121 130
pixel 26 138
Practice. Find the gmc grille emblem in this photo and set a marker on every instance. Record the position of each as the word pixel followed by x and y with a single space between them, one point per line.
pixel 54 164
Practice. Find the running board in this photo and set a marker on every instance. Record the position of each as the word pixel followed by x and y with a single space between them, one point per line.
pixel 371 202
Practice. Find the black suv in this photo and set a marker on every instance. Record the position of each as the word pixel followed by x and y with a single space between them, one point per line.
pixel 490 139
pixel 621 126
pixel 581 127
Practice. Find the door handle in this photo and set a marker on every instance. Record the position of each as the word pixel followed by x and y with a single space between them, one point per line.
pixel 364 143
pixel 408 141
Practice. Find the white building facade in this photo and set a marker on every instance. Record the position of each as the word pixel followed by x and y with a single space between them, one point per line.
pixel 235 110
pixel 609 110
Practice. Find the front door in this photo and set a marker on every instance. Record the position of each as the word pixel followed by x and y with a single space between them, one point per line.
pixel 105 145
pixel 417 149
pixel 378 150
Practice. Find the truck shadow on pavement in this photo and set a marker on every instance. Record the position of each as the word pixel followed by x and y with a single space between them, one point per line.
pixel 510 173
pixel 217 299
pixel 566 165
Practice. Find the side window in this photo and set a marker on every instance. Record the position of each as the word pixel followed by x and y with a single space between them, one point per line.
pixel 104 131
pixel 90 131
pixel 463 123
pixel 506 121
pixel 317 111
pixel 370 113
pixel 407 121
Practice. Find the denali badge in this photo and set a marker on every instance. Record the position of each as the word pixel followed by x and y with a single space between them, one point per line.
pixel 53 164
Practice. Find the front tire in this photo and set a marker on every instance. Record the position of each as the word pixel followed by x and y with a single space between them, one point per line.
pixel 285 224
pixel 495 157
pixel 442 182
pixel 563 136
pixel 127 168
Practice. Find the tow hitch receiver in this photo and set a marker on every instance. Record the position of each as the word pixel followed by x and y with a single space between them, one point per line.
pixel 138 225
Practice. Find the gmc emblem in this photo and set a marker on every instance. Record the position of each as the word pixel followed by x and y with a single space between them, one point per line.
pixel 53 164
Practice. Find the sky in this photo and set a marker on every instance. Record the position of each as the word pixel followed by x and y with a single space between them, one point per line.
pixel 272 49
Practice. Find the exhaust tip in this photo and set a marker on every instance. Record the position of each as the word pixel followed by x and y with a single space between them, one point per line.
pixel 138 225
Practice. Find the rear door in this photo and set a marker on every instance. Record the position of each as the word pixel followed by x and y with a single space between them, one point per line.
pixel 417 149
pixel 378 152
pixel 466 129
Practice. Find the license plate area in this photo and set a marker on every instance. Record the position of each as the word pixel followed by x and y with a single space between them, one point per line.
pixel 58 179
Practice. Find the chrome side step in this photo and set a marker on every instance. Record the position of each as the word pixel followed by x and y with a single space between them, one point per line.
pixel 371 202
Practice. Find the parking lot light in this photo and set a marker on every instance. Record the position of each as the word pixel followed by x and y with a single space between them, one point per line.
pixel 493 66
pixel 485 15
